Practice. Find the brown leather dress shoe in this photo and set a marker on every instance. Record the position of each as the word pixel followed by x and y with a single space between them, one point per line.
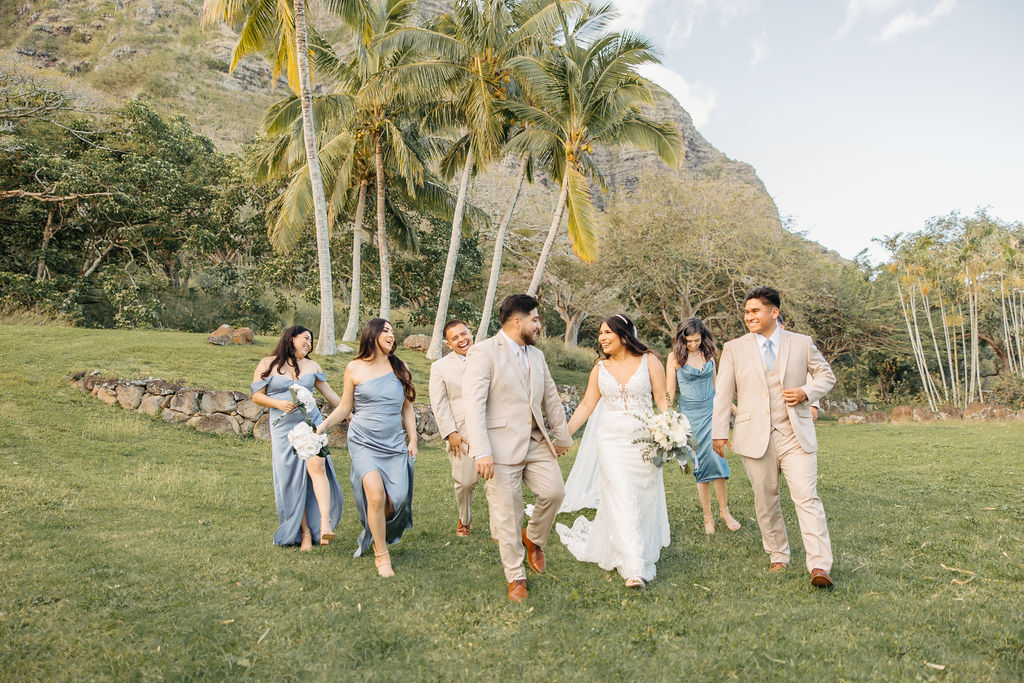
pixel 777 567
pixel 517 590
pixel 820 578
pixel 534 555
pixel 462 529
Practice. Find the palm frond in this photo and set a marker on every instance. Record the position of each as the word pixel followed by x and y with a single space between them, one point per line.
pixel 582 223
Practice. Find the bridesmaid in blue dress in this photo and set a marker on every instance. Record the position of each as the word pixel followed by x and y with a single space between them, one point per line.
pixel 382 440
pixel 307 494
pixel 691 365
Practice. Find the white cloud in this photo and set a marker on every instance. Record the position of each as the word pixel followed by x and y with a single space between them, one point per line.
pixel 632 14
pixel 909 20
pixel 697 100
pixel 759 46
pixel 686 14
pixel 855 9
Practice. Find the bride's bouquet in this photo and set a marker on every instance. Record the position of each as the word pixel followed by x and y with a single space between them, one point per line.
pixel 303 436
pixel 668 436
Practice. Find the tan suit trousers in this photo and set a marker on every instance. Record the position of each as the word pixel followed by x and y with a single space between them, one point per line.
pixel 541 474
pixel 800 469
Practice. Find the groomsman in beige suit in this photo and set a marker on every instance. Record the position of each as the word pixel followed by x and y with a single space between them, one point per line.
pixel 446 375
pixel 774 375
pixel 509 398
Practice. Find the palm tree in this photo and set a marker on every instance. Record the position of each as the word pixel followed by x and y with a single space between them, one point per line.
pixel 465 56
pixel 279 29
pixel 587 93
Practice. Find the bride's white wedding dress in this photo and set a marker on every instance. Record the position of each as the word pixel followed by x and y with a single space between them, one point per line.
pixel 631 526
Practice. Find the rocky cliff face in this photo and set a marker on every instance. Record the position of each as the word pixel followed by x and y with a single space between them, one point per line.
pixel 120 48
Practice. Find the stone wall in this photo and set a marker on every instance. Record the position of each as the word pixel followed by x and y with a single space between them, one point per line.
pixel 919 414
pixel 231 413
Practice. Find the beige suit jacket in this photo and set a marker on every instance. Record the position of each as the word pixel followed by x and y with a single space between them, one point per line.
pixel 501 405
pixel 446 375
pixel 741 379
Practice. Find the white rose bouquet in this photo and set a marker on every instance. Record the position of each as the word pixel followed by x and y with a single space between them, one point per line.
pixel 303 437
pixel 668 436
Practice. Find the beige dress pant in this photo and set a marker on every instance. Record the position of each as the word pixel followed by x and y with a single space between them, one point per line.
pixel 541 474
pixel 466 478
pixel 800 468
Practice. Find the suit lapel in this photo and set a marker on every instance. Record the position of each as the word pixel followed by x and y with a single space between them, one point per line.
pixel 784 344
pixel 510 358
pixel 758 363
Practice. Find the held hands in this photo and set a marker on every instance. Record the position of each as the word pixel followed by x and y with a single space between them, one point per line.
pixel 560 451
pixel 718 446
pixel 457 445
pixel 485 467
pixel 794 397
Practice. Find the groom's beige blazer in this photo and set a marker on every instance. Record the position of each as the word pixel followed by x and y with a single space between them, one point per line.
pixel 502 406
pixel 741 378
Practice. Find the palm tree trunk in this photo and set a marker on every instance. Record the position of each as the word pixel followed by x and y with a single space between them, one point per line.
pixel 950 366
pixel 382 237
pixel 923 371
pixel 499 245
pixel 434 350
pixel 352 327
pixel 552 231
pixel 935 344
pixel 325 343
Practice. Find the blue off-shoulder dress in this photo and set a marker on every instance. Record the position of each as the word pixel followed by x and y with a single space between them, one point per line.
pixel 376 442
pixel 696 400
pixel 293 489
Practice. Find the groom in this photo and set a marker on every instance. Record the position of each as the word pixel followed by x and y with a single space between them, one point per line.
pixel 774 375
pixel 509 395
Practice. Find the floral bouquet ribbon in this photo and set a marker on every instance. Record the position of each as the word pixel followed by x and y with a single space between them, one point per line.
pixel 303 437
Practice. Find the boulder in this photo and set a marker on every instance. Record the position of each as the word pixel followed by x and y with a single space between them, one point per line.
pixel 246 427
pixel 158 387
pixel 91 380
pixel 950 412
pixel 1002 413
pixel 106 394
pixel 130 395
pixel 241 335
pixel 217 423
pixel 221 336
pixel 925 415
pixel 80 385
pixel 248 409
pixel 902 414
pixel 238 395
pixel 261 430
pixel 345 348
pixel 876 417
pixel 853 419
pixel 977 411
pixel 417 342
pixel 153 405
pixel 169 415
pixel 185 401
pixel 338 436
pixel 217 402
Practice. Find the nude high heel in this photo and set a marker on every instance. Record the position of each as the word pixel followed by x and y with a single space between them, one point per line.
pixel 326 532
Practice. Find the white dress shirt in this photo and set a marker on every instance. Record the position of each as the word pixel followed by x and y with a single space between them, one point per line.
pixel 776 340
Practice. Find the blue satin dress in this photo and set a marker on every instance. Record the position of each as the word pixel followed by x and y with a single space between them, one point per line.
pixel 293 489
pixel 696 401
pixel 376 442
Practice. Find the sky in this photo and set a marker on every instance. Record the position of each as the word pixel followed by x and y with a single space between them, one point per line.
pixel 863 118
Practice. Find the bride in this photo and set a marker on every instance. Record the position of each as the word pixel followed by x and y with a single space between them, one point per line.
pixel 631 525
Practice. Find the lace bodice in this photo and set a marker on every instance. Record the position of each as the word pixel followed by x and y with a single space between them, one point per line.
pixel 634 396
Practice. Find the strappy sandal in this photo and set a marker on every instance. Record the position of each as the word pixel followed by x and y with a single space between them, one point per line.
pixel 383 563
pixel 730 522
pixel 307 541
pixel 634 582
pixel 709 525
pixel 326 532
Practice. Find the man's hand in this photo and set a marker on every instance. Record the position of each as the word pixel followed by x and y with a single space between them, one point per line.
pixel 485 466
pixel 794 397
pixel 718 446
pixel 814 413
pixel 457 445
pixel 560 451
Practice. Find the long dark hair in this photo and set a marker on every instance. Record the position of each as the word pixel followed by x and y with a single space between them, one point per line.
pixel 284 352
pixel 368 349
pixel 621 325
pixel 689 327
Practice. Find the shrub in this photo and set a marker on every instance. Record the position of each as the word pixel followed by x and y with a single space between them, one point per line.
pixel 1009 392
pixel 574 358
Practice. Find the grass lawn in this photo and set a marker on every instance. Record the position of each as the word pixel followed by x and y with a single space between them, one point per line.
pixel 135 549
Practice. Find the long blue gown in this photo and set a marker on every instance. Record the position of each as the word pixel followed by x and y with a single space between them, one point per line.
pixel 696 400
pixel 293 489
pixel 376 442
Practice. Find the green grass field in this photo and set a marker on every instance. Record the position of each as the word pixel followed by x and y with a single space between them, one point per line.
pixel 137 550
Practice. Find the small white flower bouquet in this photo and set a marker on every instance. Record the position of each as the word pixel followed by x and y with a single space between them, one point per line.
pixel 303 437
pixel 668 436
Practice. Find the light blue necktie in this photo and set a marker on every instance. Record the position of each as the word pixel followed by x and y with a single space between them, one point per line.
pixel 768 355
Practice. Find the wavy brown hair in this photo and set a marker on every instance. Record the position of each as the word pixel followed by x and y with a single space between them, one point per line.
pixel 689 327
pixel 368 349
pixel 622 326
pixel 284 352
